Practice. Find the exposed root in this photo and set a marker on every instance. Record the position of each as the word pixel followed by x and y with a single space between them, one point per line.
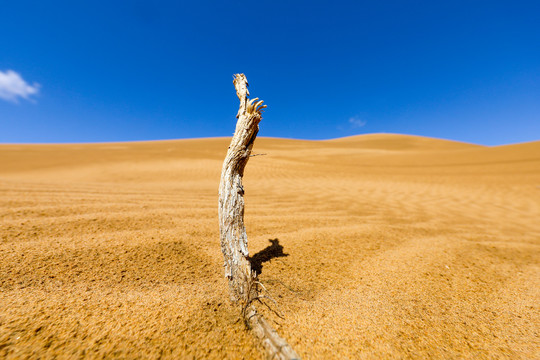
pixel 269 296
pixel 276 347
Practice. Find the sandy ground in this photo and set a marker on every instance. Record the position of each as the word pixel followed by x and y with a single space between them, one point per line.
pixel 383 246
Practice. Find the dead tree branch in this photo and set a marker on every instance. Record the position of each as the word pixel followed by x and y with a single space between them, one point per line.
pixel 243 284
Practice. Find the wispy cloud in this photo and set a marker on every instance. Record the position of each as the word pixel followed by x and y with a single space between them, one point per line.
pixel 13 87
pixel 356 122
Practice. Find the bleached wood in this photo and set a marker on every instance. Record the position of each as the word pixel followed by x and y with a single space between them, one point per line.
pixel 243 283
pixel 231 195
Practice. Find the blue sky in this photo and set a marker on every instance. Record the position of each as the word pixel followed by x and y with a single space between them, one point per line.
pixel 81 71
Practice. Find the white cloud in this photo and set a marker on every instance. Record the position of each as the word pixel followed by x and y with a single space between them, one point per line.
pixel 356 122
pixel 13 87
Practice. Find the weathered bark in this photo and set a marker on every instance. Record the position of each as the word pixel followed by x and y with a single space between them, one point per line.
pixel 243 284
pixel 231 196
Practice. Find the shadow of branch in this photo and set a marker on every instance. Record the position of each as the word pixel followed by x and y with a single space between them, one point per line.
pixel 272 251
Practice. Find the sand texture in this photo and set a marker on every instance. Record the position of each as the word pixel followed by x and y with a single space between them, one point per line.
pixel 382 247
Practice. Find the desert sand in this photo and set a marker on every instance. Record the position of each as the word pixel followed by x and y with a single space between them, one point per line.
pixel 383 247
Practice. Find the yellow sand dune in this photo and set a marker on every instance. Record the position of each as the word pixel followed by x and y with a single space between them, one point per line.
pixel 388 246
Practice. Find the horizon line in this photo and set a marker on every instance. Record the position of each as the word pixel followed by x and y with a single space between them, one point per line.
pixel 266 137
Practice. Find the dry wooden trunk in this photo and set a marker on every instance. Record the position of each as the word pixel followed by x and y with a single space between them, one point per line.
pixel 231 196
pixel 242 280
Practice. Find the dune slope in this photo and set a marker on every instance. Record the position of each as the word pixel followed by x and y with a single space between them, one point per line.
pixel 383 246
